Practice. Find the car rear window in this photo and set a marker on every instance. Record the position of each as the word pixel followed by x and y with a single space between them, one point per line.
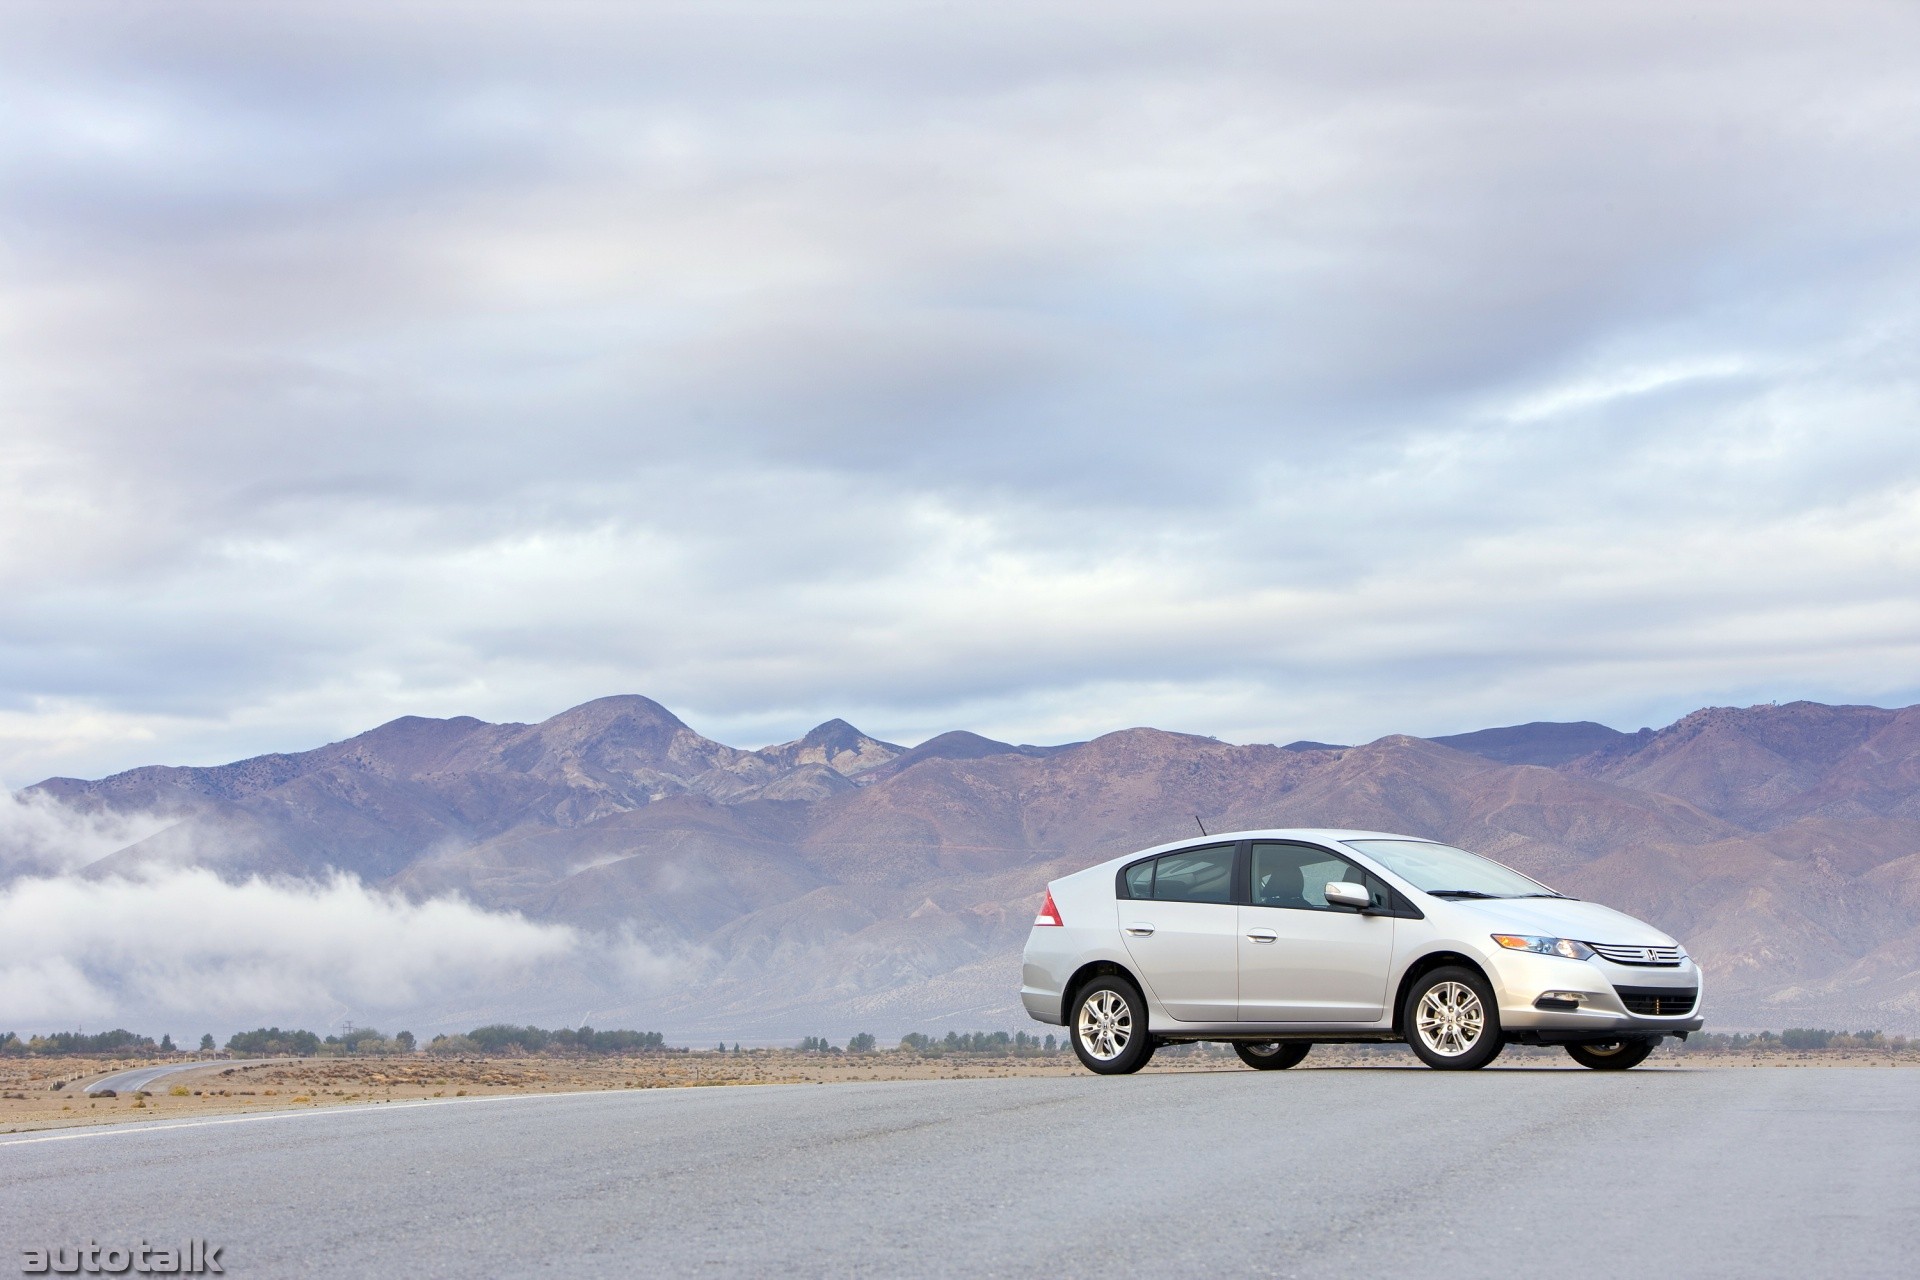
pixel 1195 875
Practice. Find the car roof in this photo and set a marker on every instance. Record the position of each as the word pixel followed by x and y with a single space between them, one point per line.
pixel 1316 835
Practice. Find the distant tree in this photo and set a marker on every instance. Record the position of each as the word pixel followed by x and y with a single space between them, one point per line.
pixel 451 1046
pixel 1050 1044
pixel 405 1041
pixel 273 1042
pixel 501 1037
pixel 862 1043
pixel 166 1043
pixel 622 1041
pixel 119 1041
pixel 362 1040
pixel 206 1043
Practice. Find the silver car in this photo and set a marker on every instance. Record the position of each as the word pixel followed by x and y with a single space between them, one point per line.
pixel 1278 940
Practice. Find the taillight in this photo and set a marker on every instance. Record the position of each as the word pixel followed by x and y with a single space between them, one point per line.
pixel 1049 914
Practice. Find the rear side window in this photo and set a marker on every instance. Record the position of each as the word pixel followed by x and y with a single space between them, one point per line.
pixel 1194 875
pixel 1140 879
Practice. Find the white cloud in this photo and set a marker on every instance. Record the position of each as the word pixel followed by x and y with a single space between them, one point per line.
pixel 181 947
pixel 1261 371
pixel 40 835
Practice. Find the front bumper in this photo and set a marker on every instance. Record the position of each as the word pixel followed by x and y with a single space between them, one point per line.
pixel 1521 978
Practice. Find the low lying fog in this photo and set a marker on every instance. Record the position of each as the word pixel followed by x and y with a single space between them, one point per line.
pixel 179 950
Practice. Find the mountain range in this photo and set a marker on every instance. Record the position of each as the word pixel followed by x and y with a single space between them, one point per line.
pixel 842 882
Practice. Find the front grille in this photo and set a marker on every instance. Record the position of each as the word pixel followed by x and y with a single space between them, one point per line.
pixel 1655 957
pixel 1659 1002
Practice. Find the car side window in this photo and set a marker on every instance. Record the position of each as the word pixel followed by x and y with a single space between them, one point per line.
pixel 1297 875
pixel 1140 879
pixel 1195 875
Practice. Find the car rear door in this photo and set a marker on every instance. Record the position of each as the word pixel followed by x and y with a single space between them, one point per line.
pixel 1301 958
pixel 1180 924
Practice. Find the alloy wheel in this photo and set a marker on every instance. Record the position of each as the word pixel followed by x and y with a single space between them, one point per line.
pixel 1614 1055
pixel 1106 1025
pixel 1272 1055
pixel 1450 1018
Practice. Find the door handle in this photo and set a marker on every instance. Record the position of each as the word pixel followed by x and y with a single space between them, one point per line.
pixel 1263 935
pixel 1140 929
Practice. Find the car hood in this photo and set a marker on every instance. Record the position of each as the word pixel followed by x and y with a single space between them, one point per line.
pixel 1561 918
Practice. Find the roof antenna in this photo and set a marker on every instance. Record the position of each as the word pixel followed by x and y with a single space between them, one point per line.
pixel 1199 824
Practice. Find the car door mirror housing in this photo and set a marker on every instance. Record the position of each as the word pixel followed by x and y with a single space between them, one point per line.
pixel 1344 893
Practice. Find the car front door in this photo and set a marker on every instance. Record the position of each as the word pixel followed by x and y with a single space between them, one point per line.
pixel 1180 925
pixel 1303 959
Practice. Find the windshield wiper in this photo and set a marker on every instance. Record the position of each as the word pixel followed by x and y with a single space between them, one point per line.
pixel 1461 893
pixel 1569 897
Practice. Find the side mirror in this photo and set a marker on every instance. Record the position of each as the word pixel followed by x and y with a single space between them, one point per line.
pixel 1345 893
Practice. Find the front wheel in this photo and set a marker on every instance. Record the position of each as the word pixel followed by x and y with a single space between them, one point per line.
pixel 1452 1021
pixel 1276 1055
pixel 1109 1028
pixel 1616 1055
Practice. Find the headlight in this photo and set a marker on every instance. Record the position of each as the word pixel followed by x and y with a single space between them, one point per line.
pixel 1544 946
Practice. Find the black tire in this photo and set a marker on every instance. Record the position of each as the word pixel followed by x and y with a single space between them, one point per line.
pixel 1112 1038
pixel 1617 1055
pixel 1274 1055
pixel 1461 1031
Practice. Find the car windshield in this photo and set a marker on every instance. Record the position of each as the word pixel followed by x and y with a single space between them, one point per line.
pixel 1442 869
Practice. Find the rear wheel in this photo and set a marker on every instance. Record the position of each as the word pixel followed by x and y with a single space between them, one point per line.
pixel 1109 1027
pixel 1275 1055
pixel 1452 1021
pixel 1616 1055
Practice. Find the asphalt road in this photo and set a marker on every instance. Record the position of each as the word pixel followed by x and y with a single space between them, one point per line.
pixel 1357 1172
pixel 141 1077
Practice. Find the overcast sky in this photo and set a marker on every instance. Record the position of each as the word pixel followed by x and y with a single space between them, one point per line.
pixel 1246 370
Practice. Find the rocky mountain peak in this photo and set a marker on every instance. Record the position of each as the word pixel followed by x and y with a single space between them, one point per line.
pixel 837 745
pixel 1777 841
pixel 1542 742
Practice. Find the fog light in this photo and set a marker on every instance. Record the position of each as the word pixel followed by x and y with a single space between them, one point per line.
pixel 1560 1000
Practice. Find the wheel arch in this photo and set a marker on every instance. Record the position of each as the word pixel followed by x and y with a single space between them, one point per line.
pixel 1087 973
pixel 1419 969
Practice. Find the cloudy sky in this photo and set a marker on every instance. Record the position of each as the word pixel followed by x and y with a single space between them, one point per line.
pixel 1248 370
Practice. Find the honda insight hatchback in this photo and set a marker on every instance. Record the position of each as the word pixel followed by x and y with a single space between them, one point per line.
pixel 1278 940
